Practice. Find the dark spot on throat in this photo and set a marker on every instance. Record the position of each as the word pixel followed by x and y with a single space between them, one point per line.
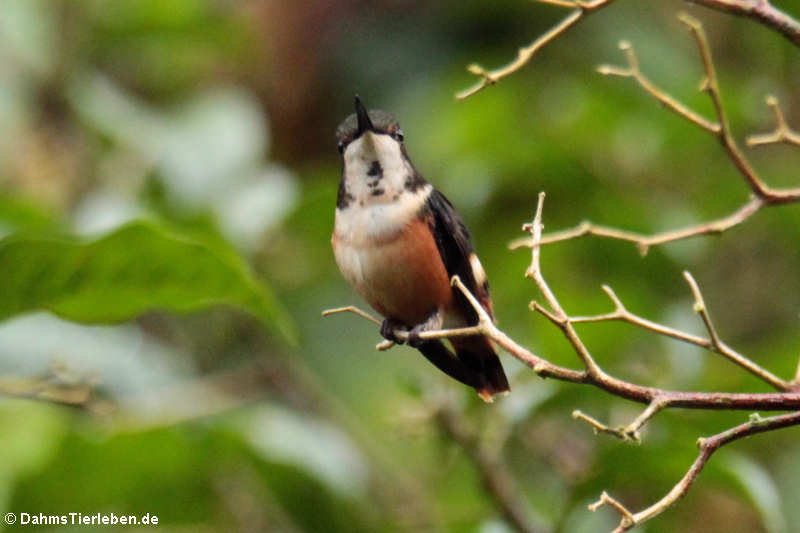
pixel 375 170
pixel 377 192
pixel 343 198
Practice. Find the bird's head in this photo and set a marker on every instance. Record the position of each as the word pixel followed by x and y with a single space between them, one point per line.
pixel 376 166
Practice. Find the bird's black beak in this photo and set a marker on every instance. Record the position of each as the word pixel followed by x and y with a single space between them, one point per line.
pixel 364 123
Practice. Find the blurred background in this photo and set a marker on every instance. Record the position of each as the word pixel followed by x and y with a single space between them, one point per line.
pixel 167 185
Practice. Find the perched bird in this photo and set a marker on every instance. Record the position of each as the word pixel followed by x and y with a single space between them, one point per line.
pixel 398 241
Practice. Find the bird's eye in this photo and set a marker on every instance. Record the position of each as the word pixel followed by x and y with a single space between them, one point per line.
pixel 340 147
pixel 398 135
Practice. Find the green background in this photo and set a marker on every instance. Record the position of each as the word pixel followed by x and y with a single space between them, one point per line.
pixel 168 176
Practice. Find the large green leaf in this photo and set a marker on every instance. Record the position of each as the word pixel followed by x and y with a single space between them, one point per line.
pixel 137 268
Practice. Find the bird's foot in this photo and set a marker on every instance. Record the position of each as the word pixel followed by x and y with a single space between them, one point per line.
pixel 413 336
pixel 388 328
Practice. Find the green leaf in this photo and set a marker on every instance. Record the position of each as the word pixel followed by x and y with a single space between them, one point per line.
pixel 138 268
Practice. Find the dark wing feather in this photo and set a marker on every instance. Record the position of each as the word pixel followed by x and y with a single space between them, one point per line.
pixel 455 247
pixel 477 363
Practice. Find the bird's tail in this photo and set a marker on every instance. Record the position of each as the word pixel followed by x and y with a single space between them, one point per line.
pixel 475 363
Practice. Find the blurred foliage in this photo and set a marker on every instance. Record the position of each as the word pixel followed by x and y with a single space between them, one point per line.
pixel 158 159
pixel 108 281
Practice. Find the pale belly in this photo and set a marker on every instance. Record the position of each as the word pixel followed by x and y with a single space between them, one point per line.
pixel 402 277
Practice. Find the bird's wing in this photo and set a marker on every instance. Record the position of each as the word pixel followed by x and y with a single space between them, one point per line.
pixel 455 248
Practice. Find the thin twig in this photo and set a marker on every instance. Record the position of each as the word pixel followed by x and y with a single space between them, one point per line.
pixel 782 132
pixel 630 432
pixel 668 101
pixel 707 447
pixel 645 242
pixel 526 53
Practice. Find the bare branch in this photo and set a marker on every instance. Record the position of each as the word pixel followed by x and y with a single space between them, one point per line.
pixel 526 53
pixel 782 132
pixel 605 499
pixel 716 345
pixel 633 71
pixel 644 242
pixel 629 433
pixel 707 446
pixel 599 427
pixel 759 10
pixel 352 309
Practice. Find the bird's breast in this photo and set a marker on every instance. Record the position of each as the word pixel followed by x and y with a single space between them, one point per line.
pixel 399 273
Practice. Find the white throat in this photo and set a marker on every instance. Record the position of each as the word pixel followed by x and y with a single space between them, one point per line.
pixel 379 201
pixel 375 170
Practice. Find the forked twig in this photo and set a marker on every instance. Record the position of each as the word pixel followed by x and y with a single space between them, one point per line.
pixel 782 132
pixel 581 8
pixel 707 447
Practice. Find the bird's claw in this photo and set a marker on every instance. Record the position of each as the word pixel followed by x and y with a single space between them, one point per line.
pixel 413 336
pixel 388 327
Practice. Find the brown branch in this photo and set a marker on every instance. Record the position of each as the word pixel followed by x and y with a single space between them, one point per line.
pixel 645 242
pixel 759 10
pixel 618 387
pixel 707 448
pixel 782 132
pixel 582 8
pixel 495 474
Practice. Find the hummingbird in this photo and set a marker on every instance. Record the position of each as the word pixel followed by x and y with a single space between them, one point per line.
pixel 398 241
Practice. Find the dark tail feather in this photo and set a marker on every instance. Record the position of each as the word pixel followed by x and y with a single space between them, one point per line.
pixel 438 354
pixel 475 363
pixel 477 354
